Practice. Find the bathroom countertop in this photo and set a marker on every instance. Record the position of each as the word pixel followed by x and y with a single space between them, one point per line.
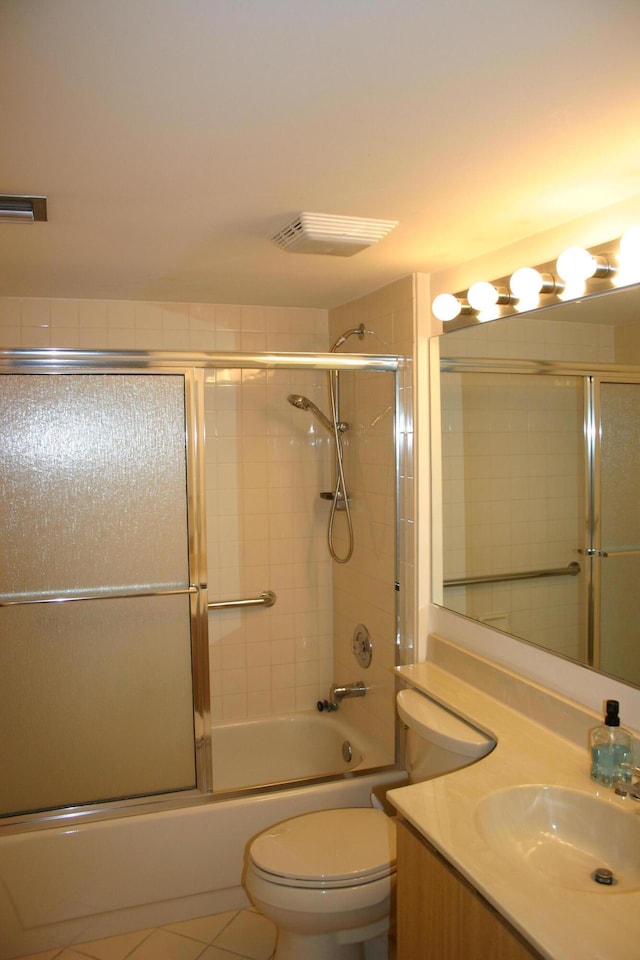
pixel 561 923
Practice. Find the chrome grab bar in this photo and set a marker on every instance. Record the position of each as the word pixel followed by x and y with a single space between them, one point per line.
pixel 266 599
pixel 572 570
pixel 19 601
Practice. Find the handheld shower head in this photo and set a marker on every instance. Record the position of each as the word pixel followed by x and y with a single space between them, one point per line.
pixel 297 400
pixel 303 403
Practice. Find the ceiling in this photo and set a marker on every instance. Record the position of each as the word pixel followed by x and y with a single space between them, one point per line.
pixel 174 137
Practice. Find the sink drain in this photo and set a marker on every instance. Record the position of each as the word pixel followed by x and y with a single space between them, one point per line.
pixel 347 752
pixel 604 875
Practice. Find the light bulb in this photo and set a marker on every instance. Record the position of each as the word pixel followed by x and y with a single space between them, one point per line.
pixel 526 283
pixel 482 295
pixel 573 290
pixel 576 265
pixel 630 244
pixel 446 307
pixel 629 257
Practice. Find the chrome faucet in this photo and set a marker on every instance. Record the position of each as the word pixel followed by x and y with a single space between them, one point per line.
pixel 626 787
pixel 340 691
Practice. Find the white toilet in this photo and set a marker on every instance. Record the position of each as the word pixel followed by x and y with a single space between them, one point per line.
pixel 327 879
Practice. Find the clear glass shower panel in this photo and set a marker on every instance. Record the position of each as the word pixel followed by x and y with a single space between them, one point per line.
pixel 619 530
pixel 96 695
pixel 270 481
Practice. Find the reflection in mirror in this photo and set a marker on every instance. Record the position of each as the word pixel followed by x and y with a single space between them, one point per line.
pixel 539 461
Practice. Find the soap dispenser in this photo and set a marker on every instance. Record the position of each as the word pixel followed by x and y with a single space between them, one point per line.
pixel 610 748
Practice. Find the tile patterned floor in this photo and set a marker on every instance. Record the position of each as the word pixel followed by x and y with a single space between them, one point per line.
pixel 235 935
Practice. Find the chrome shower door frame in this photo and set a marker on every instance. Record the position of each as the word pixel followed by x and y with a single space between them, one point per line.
pixel 68 363
pixel 192 366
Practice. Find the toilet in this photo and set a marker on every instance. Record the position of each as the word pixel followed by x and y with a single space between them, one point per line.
pixel 327 879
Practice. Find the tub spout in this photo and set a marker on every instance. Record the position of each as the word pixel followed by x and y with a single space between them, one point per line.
pixel 339 691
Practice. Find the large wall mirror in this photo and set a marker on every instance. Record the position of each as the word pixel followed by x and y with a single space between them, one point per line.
pixel 536 459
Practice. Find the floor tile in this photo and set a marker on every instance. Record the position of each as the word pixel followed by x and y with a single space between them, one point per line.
pixel 205 929
pixel 215 953
pixel 163 945
pixel 113 948
pixel 250 935
pixel 71 955
pixel 44 955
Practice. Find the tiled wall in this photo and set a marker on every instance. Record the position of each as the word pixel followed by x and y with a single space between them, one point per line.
pixel 136 325
pixel 364 589
pixel 265 464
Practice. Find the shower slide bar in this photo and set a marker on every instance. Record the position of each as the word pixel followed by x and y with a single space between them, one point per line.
pixel 572 570
pixel 19 601
pixel 266 599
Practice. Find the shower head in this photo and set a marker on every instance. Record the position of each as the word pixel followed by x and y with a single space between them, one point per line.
pixel 303 403
pixel 356 332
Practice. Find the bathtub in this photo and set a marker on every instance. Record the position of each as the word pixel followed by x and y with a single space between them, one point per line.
pixel 70 884
pixel 286 748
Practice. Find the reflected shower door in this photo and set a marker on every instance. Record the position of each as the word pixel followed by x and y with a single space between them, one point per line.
pixel 618 591
pixel 96 698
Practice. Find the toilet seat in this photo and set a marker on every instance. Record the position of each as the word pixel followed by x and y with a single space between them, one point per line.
pixel 330 849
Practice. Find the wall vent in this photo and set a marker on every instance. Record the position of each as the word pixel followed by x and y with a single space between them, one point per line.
pixel 327 234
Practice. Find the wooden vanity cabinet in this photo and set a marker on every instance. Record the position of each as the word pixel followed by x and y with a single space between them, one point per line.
pixel 441 916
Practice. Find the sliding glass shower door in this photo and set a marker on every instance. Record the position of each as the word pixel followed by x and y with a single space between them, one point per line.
pixel 96 598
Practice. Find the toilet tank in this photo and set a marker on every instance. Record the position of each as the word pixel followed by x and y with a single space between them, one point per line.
pixel 436 741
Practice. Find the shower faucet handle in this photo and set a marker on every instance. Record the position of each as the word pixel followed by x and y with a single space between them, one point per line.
pixel 326 705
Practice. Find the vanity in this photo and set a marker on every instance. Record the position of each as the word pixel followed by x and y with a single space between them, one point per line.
pixel 496 861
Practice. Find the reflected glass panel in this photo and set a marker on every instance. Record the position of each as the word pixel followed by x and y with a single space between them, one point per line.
pixel 620 529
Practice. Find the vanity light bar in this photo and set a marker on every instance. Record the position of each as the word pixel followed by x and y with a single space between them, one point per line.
pixel 574 267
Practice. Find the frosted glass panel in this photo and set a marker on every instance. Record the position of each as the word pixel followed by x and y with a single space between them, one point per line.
pixel 620 530
pixel 96 701
pixel 96 696
pixel 92 482
pixel 619 618
pixel 620 458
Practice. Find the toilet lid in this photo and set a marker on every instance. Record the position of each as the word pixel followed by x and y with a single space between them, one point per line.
pixel 331 847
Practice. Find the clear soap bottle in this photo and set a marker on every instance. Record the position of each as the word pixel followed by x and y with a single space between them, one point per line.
pixel 610 748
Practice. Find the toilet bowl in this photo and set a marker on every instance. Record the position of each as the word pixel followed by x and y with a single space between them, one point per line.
pixel 327 879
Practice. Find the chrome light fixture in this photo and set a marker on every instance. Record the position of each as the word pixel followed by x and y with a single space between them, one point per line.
pixel 19 209
pixel 576 268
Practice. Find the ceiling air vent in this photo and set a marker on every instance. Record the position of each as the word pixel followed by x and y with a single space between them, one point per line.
pixel 335 236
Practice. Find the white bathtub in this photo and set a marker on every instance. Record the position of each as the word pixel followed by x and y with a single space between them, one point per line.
pixel 66 885
pixel 280 749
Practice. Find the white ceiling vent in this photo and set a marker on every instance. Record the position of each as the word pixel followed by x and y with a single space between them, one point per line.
pixel 336 236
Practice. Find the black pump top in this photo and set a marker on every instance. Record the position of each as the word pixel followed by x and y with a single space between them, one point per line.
pixel 612 719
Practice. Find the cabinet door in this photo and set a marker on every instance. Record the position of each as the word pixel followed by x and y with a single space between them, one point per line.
pixel 441 917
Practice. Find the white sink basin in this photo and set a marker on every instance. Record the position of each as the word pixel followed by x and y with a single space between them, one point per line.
pixel 564 835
